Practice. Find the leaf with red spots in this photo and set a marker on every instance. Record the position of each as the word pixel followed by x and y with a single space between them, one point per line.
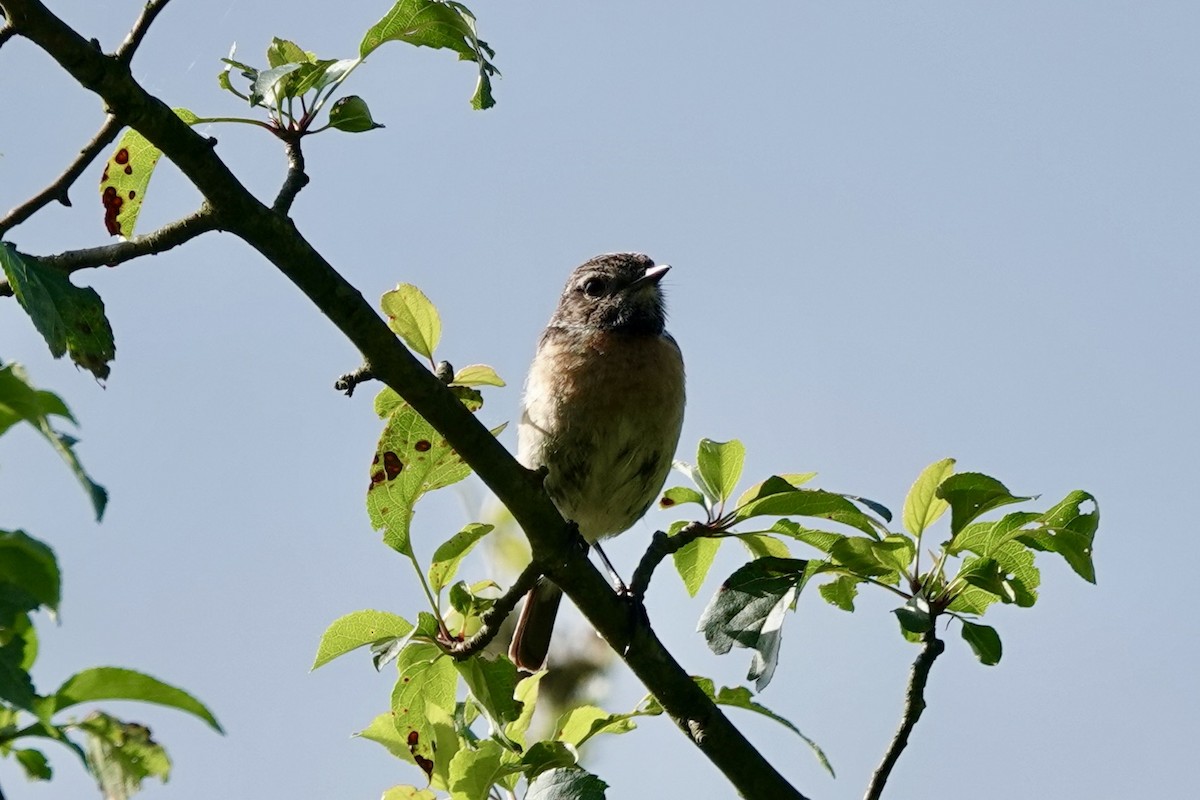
pixel 126 175
pixel 412 458
pixel 426 677
pixel 70 318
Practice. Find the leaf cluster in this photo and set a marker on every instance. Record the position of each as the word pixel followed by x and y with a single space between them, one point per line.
pixel 121 755
pixel 978 564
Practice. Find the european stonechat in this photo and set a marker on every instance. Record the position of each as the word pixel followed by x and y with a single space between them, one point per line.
pixel 602 410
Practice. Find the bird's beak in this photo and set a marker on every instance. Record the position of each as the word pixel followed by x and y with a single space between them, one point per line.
pixel 653 275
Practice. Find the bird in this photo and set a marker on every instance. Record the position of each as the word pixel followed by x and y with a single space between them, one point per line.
pixel 601 413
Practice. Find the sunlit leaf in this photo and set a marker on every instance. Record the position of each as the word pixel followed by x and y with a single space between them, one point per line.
pixel 359 629
pixel 414 318
pixel 922 506
pixel 720 463
pixel 121 755
pixel 126 177
pixel 116 683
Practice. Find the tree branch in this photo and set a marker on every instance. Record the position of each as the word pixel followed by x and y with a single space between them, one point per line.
pixel 276 238
pixel 296 179
pixel 59 188
pixel 914 705
pixel 6 33
pixel 161 240
pixel 495 616
pixel 660 547
pixel 128 47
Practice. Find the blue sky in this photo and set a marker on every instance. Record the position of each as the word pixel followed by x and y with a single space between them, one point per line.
pixel 900 232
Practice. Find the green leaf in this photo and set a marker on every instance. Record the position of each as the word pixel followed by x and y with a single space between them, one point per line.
pixel 451 552
pixel 774 485
pixel 122 754
pixel 493 684
pixel 922 506
pixel 446 743
pixel 426 677
pixel 127 176
pixel 71 319
pixel 116 683
pixel 761 545
pixel 694 560
pixel 527 695
pixel 436 24
pixel 282 51
pixel 413 318
pixel 477 375
pixel 34 762
pixel 679 495
pixel 840 592
pixel 473 772
pixel 748 610
pixel 1069 529
pixel 566 783
pixel 1013 577
pixel 864 557
pixel 984 641
pixel 583 722
pixel 914 616
pixel 270 87
pixel 548 755
pixel 821 540
pixel 357 629
pixel 740 697
pixel 20 401
pixel 720 464
pixel 16 687
pixel 971 494
pixel 791 501
pixel 412 458
pixel 896 552
pixel 28 566
pixel 351 114
pixel 408 793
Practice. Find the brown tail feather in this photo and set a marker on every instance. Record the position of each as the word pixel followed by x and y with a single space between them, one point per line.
pixel 531 640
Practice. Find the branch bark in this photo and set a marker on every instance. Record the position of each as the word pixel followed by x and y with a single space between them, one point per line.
pixel 275 236
pixel 914 705
pixel 128 47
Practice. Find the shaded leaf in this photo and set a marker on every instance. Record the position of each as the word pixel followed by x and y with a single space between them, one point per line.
pixel 566 783
pixel 747 611
pixel 984 641
pixel 34 762
pixel 351 114
pixel 740 697
pixel 121 755
pixel 548 755
pixel 28 566
pixel 914 616
pixel 971 494
pixel 1069 529
pixel 773 485
pixel 840 592
pixel 493 683
pixel 71 319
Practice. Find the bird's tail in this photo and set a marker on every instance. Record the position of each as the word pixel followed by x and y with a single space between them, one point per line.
pixel 531 640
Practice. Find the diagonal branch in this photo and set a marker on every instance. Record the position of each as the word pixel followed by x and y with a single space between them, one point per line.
pixel 161 240
pixel 494 617
pixel 134 38
pixel 275 236
pixel 914 705
pixel 660 547
pixel 61 185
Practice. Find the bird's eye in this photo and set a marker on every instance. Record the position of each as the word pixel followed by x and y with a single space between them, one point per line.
pixel 593 287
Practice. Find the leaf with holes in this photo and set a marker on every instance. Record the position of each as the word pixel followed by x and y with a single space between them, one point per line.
pixel 1069 529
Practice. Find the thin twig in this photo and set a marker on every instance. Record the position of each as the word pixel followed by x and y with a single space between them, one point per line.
pixel 170 235
pixel 914 705
pixel 494 616
pixel 660 547
pixel 128 47
pixel 296 179
pixel 59 188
